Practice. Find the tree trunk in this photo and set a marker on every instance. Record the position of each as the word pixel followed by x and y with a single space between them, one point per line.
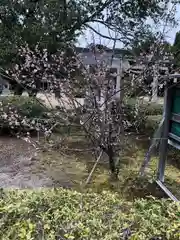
pixel 57 93
pixel 112 165
pixel 18 91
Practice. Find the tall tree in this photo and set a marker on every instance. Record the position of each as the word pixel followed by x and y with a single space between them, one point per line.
pixel 35 23
pixel 53 24
pixel 176 49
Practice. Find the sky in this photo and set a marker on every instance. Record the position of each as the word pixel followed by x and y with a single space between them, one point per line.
pixel 89 36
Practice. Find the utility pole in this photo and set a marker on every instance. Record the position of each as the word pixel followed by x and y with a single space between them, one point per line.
pixel 155 83
pixel 119 82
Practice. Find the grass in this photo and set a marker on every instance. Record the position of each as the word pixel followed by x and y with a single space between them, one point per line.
pixel 70 169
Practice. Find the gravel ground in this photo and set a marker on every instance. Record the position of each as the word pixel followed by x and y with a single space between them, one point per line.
pixel 17 166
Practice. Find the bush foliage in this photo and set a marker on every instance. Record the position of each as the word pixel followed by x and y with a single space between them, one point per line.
pixel 26 106
pixel 152 123
pixel 145 107
pixel 143 116
pixel 21 114
pixel 15 110
pixel 64 214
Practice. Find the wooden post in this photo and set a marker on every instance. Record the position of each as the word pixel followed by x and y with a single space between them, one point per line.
pixel 132 81
pixel 155 83
pixel 164 139
pixel 119 82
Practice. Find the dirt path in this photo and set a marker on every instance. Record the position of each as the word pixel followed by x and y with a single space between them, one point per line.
pixel 17 166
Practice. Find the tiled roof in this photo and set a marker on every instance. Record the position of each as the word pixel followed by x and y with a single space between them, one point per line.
pixel 116 51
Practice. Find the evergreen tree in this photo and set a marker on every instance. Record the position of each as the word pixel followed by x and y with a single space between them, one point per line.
pixel 176 50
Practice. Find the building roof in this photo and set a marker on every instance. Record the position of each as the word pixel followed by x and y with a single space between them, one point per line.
pixel 116 52
pixel 108 56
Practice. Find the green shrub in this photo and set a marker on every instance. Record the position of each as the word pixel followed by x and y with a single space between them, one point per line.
pixel 14 109
pixel 145 107
pixel 144 117
pixel 21 114
pixel 65 214
pixel 152 123
pixel 26 106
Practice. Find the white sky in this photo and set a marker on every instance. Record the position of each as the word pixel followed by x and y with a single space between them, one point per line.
pixel 89 36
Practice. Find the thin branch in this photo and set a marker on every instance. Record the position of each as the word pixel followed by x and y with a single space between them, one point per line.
pixel 79 25
pixel 104 36
pixel 94 167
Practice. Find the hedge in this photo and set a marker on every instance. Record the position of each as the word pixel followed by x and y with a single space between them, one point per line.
pixel 145 107
pixel 66 214
pixel 146 119
pixel 21 114
pixel 152 123
pixel 26 106
pixel 32 109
